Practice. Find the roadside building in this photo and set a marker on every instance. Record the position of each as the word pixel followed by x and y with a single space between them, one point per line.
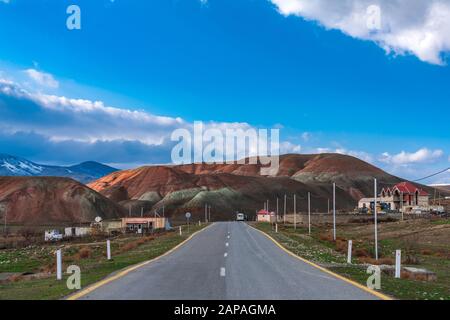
pixel 110 226
pixel 135 224
pixel 266 216
pixel 403 196
pixel 77 231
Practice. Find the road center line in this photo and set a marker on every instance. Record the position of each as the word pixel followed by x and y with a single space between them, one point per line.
pixel 225 254
pixel 222 272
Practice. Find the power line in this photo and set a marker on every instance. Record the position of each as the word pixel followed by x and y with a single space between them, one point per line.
pixel 417 180
pixel 432 175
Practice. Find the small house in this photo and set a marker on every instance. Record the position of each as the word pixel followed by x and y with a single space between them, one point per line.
pixel 266 216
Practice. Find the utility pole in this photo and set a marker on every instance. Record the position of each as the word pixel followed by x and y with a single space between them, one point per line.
pixel 295 212
pixel 4 226
pixel 334 211
pixel 401 204
pixel 284 213
pixel 375 218
pixel 277 208
pixel 309 212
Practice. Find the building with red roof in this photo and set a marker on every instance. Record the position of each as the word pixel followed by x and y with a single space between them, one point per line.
pixel 402 196
pixel 266 216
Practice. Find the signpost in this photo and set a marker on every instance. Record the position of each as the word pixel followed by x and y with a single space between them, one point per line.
pixel 188 217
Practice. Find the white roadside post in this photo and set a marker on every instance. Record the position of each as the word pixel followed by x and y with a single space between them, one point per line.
pixel 309 212
pixel 375 219
pixel 181 233
pixel 108 249
pixel 58 264
pixel 276 227
pixel 398 264
pixel 284 212
pixel 349 252
pixel 334 211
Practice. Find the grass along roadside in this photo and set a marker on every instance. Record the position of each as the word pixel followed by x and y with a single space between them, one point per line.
pixel 319 249
pixel 91 258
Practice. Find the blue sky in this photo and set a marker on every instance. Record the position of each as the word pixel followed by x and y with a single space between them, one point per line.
pixel 259 62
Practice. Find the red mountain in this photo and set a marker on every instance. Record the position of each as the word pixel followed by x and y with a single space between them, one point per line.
pixel 52 201
pixel 231 187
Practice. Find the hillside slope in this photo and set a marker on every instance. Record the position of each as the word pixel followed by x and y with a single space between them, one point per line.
pixel 231 187
pixel 52 201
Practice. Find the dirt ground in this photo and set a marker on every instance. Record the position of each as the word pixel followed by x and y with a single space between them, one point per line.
pixel 425 234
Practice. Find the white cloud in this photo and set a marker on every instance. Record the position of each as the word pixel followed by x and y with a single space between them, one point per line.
pixel 92 125
pixel 306 136
pixel 417 27
pixel 42 78
pixel 288 147
pixel 423 155
pixel 5 1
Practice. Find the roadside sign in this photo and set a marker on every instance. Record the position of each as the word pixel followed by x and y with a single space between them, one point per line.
pixel 188 216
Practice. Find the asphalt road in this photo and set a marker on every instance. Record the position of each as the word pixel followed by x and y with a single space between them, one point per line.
pixel 228 261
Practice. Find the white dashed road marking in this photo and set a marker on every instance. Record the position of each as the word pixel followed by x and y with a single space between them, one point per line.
pixel 222 272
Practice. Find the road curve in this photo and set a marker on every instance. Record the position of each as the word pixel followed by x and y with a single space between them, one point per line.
pixel 228 261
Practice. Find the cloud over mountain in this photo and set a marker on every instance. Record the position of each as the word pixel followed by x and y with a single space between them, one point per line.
pixel 415 27
pixel 40 126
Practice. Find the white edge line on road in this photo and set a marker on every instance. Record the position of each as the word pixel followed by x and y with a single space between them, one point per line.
pixel 354 283
pixel 227 244
pixel 123 273
pixel 225 254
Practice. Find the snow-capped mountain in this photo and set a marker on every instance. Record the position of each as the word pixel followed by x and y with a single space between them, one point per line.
pixel 84 172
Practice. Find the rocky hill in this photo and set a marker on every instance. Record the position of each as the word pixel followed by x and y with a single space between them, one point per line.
pixel 231 187
pixel 52 201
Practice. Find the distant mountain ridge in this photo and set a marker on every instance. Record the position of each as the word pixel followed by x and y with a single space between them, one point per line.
pixel 84 172
pixel 232 187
